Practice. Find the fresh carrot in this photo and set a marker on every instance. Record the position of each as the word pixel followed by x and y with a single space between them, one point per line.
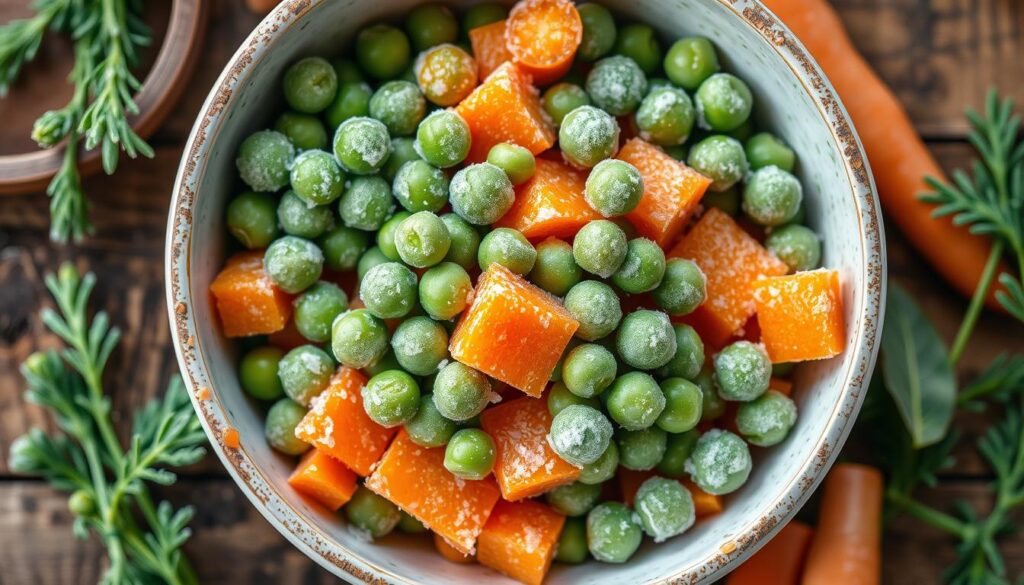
pixel 542 36
pixel 488 43
pixel 551 203
pixel 449 552
pixel 247 302
pixel 899 158
pixel 779 562
pixel 847 543
pixel 801 315
pixel 519 540
pixel 324 478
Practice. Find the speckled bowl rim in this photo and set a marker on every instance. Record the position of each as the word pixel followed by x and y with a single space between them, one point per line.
pixel 301 531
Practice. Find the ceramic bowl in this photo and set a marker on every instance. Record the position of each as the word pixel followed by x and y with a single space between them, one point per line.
pixel 792 98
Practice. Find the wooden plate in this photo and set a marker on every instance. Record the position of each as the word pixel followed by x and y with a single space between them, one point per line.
pixel 164 83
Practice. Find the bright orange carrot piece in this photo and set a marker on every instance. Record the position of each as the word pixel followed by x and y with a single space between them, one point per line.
pixel 846 547
pixel 801 316
pixel 414 479
pixel 505 108
pixel 780 385
pixel 551 203
pixel 525 465
pixel 731 261
pixel 449 552
pixel 779 562
pixel 542 36
pixel 247 302
pixel 519 540
pixel 513 331
pixel 337 424
pixel 672 191
pixel 324 478
pixel 488 42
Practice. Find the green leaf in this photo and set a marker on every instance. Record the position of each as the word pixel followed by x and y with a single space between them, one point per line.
pixel 916 370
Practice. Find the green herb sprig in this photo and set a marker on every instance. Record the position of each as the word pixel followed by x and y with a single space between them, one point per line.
pixel 109 484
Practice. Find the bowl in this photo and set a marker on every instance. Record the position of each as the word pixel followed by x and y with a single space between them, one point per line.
pixel 793 99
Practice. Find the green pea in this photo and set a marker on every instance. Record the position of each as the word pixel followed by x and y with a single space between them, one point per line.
pixel 470 454
pixel 767 150
pixel 347 71
pixel 666 116
pixel 588 370
pixel 640 43
pixel 572 542
pixel 689 357
pixel 386 235
pixel 482 14
pixel 422 239
pixel 643 268
pixel 588 135
pixel 580 434
pixel 599 31
pixel 690 61
pixel 509 248
pixel 665 508
pixel 298 218
pixel 600 247
pixel 465 241
pixel 460 392
pixel 382 51
pixel 614 188
pixel 555 269
pixel 596 308
pixel 420 344
pixel 603 469
pixel 304 372
pixel 366 204
pixel 560 398
pixel 743 132
pixel 772 196
pixel 574 499
pixel 391 398
pixel 727 201
pixel 386 362
pixel 713 406
pixel 742 371
pixel 481 193
pixel 257 373
pixel 293 263
pixel 389 290
pixel 316 308
pixel 399 105
pixel 362 145
pixel 403 150
pixel 429 428
pixel 767 420
pixel 371 513
pixel 635 400
pixel 562 98
pixel 264 160
pixel 316 177
pixel 683 402
pixel 723 102
pixel 720 463
pixel 613 534
pixel 343 247
pixel 310 85
pixel 306 132
pixel 677 451
pixel 443 139
pixel 445 290
pixel 410 525
pixel 352 101
pixel 617 85
pixel 279 427
pixel 646 340
pixel 370 258
pixel 252 220
pixel 683 289
pixel 798 246
pixel 431 24
pixel 642 449
pixel 517 162
pixel 358 338
pixel 720 159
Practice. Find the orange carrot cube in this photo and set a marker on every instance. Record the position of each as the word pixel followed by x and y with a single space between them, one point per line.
pixel 449 552
pixel 488 42
pixel 672 191
pixel 801 316
pixel 337 424
pixel 414 479
pixel 731 261
pixel 704 504
pixel 513 331
pixel 551 203
pixel 519 540
pixel 324 479
pixel 542 36
pixel 505 108
pixel 247 302
pixel 525 465
pixel 781 386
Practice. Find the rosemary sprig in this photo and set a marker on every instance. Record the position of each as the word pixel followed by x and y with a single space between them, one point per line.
pixel 109 485
pixel 20 39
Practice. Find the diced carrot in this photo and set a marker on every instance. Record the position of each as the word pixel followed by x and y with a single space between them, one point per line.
pixel 337 424
pixel 542 36
pixel 779 562
pixel 801 316
pixel 704 504
pixel 489 49
pixel 780 385
pixel 247 302
pixel 449 552
pixel 672 191
pixel 519 540
pixel 324 478
pixel 731 261
pixel 513 331
pixel 414 479
pixel 505 108
pixel 288 338
pixel 551 203
pixel 525 465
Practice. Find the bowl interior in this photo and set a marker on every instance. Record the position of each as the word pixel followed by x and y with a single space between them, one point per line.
pixel 791 98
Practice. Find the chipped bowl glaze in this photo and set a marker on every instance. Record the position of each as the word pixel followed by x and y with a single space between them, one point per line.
pixel 793 99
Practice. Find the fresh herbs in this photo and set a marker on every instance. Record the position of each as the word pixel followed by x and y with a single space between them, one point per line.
pixel 108 484
pixel 108 36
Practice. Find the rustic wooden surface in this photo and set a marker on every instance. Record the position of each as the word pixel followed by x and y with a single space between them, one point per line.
pixel 938 55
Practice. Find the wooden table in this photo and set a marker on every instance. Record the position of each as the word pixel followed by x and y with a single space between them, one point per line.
pixel 939 55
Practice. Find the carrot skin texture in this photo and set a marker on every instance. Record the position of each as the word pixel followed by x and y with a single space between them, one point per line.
pixel 779 562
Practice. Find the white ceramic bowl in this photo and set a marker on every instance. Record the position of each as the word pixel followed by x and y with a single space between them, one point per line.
pixel 792 98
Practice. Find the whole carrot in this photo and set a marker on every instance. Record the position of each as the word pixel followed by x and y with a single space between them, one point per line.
pixel 846 547
pixel 899 158
pixel 779 562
